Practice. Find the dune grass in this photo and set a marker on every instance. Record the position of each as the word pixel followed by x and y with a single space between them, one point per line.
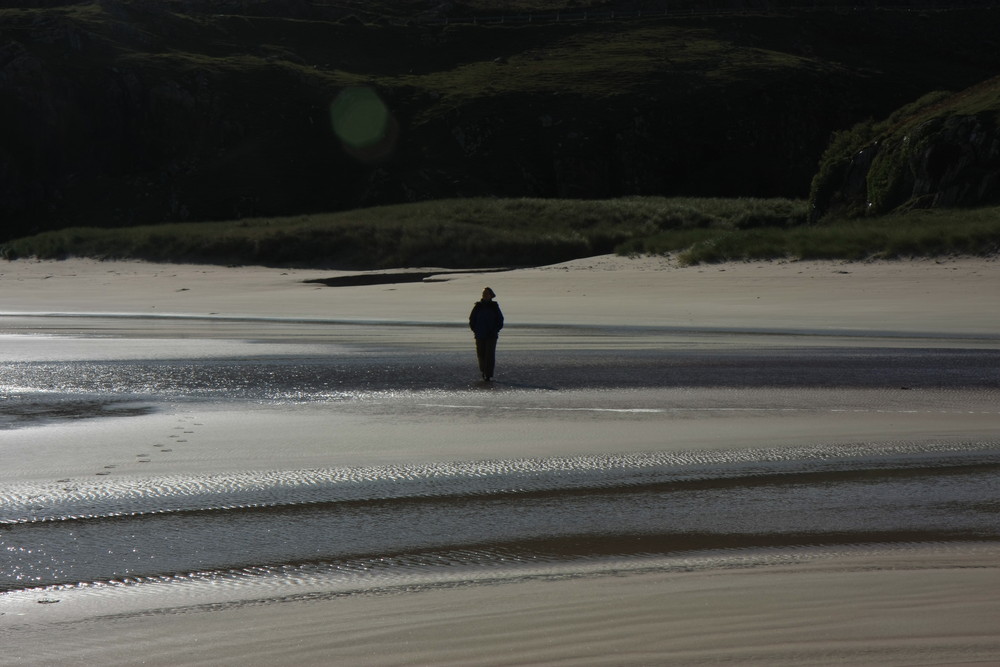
pixel 916 234
pixel 491 232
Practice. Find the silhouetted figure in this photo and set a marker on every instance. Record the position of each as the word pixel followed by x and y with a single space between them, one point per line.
pixel 486 321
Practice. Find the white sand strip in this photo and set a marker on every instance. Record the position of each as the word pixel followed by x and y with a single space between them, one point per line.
pixel 956 296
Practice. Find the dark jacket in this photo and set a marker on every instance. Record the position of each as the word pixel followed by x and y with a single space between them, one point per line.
pixel 486 319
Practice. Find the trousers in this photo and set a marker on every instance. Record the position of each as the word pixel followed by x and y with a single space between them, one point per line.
pixel 486 351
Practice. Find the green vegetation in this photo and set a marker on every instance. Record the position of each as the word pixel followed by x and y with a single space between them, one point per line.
pixel 925 233
pixel 192 110
pixel 885 153
pixel 160 111
pixel 521 232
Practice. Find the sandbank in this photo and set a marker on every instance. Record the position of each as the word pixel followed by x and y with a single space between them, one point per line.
pixel 952 296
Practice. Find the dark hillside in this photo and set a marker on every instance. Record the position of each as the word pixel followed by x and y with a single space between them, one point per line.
pixel 121 112
pixel 942 151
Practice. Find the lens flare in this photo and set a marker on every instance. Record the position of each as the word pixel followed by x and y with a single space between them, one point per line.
pixel 363 123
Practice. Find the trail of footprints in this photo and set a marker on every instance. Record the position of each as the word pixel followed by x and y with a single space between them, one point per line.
pixel 178 436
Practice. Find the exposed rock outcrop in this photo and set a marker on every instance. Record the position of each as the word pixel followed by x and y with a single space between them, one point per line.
pixel 956 162
pixel 944 155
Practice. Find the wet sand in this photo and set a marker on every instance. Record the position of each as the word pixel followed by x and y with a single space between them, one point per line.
pixel 921 607
pixel 929 604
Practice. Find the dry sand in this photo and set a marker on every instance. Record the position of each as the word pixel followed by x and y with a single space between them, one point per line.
pixel 957 296
pixel 921 606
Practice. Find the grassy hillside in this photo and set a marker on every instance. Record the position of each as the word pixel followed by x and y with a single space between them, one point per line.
pixel 468 233
pixel 458 233
pixel 126 112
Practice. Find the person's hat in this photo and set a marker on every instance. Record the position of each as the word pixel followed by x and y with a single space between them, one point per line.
pixel 492 293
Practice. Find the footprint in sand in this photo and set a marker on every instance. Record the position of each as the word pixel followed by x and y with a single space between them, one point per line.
pixel 185 430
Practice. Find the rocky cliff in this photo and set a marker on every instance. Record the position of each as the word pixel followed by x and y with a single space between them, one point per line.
pixel 942 151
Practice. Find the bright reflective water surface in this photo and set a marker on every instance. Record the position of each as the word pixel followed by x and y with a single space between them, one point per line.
pixel 369 526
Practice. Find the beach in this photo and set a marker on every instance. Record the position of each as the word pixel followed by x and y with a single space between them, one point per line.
pixel 754 463
pixel 913 296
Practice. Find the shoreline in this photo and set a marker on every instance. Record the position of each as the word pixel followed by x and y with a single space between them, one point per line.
pixel 883 604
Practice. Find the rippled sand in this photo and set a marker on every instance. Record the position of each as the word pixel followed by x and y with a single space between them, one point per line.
pixel 908 349
pixel 929 605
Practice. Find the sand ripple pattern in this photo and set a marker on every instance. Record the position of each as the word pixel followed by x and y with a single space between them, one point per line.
pixel 30 503
pixel 495 513
pixel 448 522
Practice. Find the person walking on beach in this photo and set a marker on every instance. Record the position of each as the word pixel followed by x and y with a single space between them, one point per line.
pixel 486 321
